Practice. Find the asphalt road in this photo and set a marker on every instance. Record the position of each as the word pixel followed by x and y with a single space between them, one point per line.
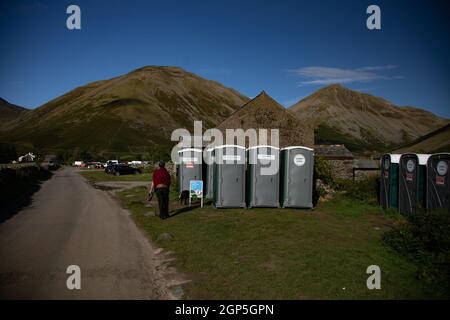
pixel 71 223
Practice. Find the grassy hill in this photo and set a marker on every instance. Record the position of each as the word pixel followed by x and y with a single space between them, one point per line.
pixel 136 113
pixel 361 121
pixel 129 113
pixel 9 112
pixel 434 142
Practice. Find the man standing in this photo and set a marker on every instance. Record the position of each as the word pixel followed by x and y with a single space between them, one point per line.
pixel 161 184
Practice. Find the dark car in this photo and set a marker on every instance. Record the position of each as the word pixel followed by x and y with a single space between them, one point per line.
pixel 109 168
pixel 122 169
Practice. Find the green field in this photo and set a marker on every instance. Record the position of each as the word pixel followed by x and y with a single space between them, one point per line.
pixel 97 176
pixel 282 253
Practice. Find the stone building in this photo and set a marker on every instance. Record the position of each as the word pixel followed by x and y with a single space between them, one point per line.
pixel 339 158
pixel 363 168
pixel 263 112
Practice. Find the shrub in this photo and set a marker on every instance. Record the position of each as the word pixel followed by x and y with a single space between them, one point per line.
pixel 424 237
pixel 365 190
pixel 323 178
pixel 323 171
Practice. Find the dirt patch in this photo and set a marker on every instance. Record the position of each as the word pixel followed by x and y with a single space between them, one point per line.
pixel 118 185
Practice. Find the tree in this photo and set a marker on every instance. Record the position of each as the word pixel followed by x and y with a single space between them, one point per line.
pixel 85 156
pixel 8 153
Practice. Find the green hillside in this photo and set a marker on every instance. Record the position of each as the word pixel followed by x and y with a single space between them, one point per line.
pixel 129 113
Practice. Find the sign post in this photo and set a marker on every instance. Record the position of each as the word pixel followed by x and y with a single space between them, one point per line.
pixel 196 191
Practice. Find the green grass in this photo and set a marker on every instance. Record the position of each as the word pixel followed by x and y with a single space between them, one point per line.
pixel 97 176
pixel 282 253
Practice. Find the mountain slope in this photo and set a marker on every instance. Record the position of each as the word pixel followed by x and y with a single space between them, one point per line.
pixel 263 112
pixel 433 142
pixel 126 113
pixel 361 121
pixel 9 112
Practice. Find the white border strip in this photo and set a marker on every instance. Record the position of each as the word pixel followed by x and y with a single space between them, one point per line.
pixel 190 149
pixel 263 146
pixel 394 157
pixel 229 146
pixel 297 147
pixel 423 158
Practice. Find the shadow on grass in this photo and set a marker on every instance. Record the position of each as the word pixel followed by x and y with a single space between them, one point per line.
pixel 178 211
pixel 17 187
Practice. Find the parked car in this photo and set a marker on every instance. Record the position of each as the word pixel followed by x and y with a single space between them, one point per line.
pixel 111 162
pixel 135 163
pixel 94 165
pixel 122 169
pixel 109 168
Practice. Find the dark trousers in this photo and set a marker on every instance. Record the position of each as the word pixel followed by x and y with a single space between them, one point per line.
pixel 163 202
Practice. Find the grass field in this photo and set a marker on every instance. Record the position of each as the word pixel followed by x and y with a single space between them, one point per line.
pixel 97 176
pixel 282 253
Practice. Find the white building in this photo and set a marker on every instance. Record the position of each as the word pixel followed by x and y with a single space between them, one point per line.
pixel 29 157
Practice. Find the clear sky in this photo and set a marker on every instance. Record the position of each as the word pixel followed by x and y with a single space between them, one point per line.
pixel 288 48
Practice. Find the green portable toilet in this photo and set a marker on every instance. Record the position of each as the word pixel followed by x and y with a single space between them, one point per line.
pixel 422 191
pixel 389 180
pixel 296 177
pixel 412 174
pixel 263 177
pixel 438 181
pixel 229 176
pixel 189 167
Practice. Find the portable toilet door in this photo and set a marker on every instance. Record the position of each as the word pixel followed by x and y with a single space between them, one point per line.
pixel 438 181
pixel 229 176
pixel 209 173
pixel 189 168
pixel 263 172
pixel 408 183
pixel 389 180
pixel 421 193
pixel 296 177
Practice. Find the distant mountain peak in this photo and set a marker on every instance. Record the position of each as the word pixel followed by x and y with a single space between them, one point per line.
pixel 335 86
pixel 133 111
pixel 159 68
pixel 362 121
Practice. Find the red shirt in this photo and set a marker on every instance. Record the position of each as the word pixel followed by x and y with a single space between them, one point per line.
pixel 161 176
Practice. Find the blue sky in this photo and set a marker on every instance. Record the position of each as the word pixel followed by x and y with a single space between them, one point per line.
pixel 288 48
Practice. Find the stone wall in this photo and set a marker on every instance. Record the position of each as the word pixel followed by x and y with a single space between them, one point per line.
pixel 362 174
pixel 342 169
